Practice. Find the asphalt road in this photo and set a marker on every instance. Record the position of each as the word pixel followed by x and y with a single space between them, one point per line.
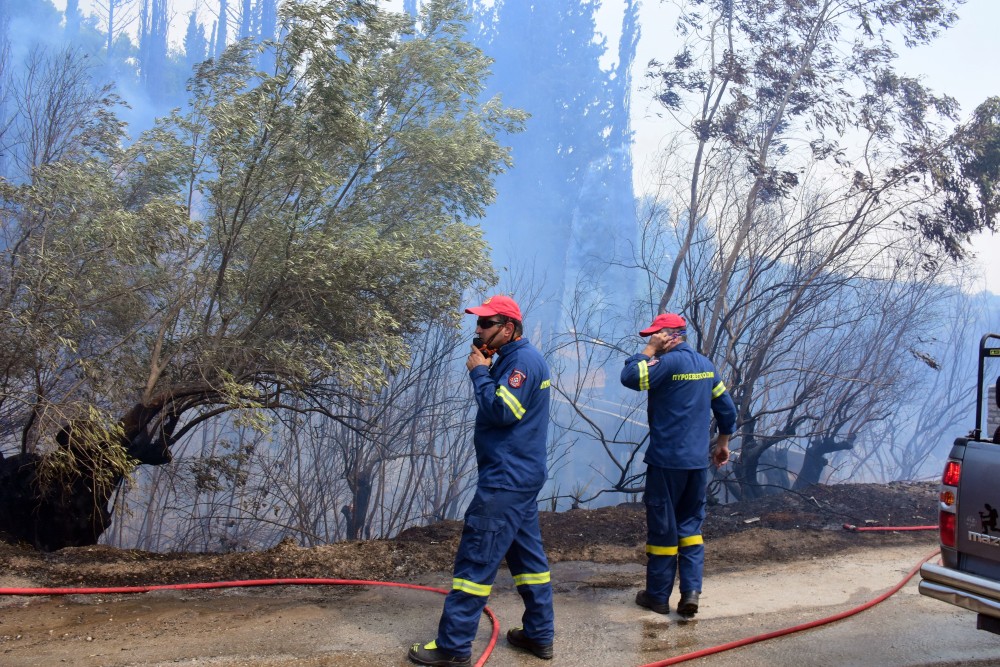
pixel 598 624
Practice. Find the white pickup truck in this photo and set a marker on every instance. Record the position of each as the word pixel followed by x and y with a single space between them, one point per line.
pixel 969 573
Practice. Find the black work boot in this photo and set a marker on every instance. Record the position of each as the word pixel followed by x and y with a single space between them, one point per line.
pixel 643 600
pixel 430 654
pixel 516 637
pixel 688 606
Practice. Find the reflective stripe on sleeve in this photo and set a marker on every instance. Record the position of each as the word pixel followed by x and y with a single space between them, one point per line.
pixel 719 390
pixel 511 401
pixel 471 587
pixel 643 375
pixel 545 384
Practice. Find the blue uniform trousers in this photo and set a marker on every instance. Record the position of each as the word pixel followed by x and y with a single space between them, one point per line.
pixel 498 524
pixel 675 509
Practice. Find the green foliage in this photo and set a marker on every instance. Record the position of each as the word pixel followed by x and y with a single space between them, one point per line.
pixel 280 236
pixel 93 454
pixel 966 175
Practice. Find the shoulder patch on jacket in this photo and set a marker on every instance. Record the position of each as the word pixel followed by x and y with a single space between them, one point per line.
pixel 653 361
pixel 516 378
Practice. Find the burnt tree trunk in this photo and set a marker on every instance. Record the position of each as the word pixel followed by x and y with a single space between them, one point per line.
pixel 47 519
pixel 774 463
pixel 74 513
pixel 815 459
pixel 360 484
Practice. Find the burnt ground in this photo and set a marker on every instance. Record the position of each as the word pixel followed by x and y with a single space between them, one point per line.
pixel 785 527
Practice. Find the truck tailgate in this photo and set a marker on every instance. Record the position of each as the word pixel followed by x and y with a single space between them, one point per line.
pixel 978 521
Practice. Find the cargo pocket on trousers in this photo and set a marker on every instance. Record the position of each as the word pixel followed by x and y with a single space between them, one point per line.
pixel 657 523
pixel 482 535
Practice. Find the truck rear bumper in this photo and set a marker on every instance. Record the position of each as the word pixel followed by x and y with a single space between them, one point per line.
pixel 961 589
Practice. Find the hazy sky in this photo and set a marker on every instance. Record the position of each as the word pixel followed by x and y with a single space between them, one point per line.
pixel 961 63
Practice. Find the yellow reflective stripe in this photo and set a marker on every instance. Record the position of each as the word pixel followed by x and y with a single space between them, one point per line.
pixel 471 587
pixel 719 390
pixel 643 375
pixel 691 541
pixel 661 551
pixel 532 578
pixel 432 645
pixel 545 384
pixel 511 401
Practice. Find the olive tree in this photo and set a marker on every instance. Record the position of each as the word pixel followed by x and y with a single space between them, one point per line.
pixel 393 458
pixel 265 249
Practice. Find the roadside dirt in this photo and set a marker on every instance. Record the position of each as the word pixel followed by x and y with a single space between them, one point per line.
pixel 194 627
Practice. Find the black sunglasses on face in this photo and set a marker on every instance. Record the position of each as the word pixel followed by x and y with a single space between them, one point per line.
pixel 487 324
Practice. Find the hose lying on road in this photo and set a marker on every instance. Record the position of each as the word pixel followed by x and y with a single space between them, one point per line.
pixel 859 529
pixel 496 624
pixel 796 628
pixel 108 590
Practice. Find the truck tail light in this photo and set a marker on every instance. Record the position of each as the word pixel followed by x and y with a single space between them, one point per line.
pixel 952 472
pixel 947 517
pixel 946 521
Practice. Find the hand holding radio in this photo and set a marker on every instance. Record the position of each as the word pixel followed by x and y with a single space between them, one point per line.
pixel 481 345
pixel 477 357
pixel 662 342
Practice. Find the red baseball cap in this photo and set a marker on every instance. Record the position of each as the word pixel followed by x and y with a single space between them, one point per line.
pixel 497 305
pixel 664 321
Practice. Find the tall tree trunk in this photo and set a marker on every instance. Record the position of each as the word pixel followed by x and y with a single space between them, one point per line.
pixel 746 466
pixel 221 29
pixel 360 483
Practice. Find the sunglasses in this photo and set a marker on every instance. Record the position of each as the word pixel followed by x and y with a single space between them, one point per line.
pixel 487 324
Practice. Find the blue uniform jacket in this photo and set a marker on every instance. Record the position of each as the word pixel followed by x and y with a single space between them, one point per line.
pixel 512 421
pixel 684 391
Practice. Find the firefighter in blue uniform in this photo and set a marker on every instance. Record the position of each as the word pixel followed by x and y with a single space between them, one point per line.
pixel 512 396
pixel 685 391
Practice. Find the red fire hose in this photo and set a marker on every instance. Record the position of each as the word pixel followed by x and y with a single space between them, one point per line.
pixel 861 529
pixel 811 624
pixel 496 624
pixel 253 582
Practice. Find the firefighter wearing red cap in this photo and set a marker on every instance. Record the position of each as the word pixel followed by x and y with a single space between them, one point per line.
pixel 512 396
pixel 684 391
